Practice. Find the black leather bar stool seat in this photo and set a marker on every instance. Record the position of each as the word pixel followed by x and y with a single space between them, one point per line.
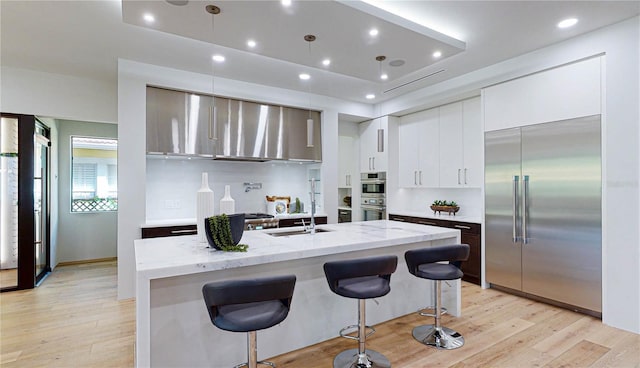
pixel 248 306
pixel 361 279
pixel 424 263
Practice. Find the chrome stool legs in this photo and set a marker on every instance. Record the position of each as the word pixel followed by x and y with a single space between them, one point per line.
pixel 435 335
pixel 360 357
pixel 252 347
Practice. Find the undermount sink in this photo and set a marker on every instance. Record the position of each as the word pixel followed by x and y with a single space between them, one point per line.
pixel 295 232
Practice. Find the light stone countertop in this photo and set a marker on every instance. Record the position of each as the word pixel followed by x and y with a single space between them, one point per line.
pixel 182 255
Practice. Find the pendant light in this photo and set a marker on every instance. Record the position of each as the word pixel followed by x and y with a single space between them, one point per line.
pixel 213 10
pixel 380 59
pixel 309 38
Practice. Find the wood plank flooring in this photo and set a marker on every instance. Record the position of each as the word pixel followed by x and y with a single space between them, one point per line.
pixel 74 320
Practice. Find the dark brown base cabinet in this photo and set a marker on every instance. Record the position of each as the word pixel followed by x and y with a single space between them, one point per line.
pixel 158 232
pixel 291 222
pixel 163 231
pixel 470 233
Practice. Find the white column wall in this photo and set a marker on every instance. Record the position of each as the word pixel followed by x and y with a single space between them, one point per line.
pixel 133 77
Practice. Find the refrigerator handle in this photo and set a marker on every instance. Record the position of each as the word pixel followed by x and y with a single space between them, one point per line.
pixel 514 199
pixel 525 208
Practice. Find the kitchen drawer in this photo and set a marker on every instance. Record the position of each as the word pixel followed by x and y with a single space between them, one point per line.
pixel 469 234
pixel 164 231
pixel 291 222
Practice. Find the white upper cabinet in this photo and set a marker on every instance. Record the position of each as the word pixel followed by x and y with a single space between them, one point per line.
pixel 441 147
pixel 544 96
pixel 472 143
pixel 451 145
pixel 418 154
pixel 371 160
pixel 461 144
pixel 346 161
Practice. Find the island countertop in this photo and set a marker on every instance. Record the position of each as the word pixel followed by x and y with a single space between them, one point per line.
pixel 183 255
pixel 173 327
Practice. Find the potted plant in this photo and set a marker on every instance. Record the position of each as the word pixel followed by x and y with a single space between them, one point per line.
pixel 225 231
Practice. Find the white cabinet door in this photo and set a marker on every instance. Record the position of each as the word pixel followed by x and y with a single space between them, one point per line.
pixel 430 150
pixel 409 131
pixel 451 147
pixel 472 141
pixel 418 150
pixel 370 159
pixel 346 161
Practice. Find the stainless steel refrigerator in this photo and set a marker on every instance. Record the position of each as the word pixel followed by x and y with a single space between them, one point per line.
pixel 543 195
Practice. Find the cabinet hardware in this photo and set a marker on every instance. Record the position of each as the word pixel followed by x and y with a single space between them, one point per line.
pixel 373 160
pixel 463 227
pixel 415 178
pixel 458 176
pixel 525 209
pixel 465 175
pixel 514 209
pixel 183 231
pixel 427 223
pixel 210 118
pixel 398 219
pixel 420 176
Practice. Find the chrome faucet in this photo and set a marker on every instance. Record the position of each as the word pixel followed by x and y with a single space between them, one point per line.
pixel 312 226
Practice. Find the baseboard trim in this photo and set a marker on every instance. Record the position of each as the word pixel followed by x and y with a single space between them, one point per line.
pixel 85 261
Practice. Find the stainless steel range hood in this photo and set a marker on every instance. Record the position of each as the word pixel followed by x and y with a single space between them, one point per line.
pixel 194 125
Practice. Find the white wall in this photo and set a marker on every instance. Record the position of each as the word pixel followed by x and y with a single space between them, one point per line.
pixel 620 43
pixel 57 96
pixel 81 236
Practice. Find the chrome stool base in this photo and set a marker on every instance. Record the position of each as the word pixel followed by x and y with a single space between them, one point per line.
pixel 247 364
pixel 444 338
pixel 351 359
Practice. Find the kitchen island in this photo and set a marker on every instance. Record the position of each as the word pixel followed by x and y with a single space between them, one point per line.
pixel 172 324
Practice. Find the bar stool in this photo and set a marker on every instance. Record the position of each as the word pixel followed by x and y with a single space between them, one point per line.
pixel 360 279
pixel 423 263
pixel 248 306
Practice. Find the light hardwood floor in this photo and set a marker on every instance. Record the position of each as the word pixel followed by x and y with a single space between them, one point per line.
pixel 74 320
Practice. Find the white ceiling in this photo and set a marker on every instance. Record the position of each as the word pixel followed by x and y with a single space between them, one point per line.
pixel 85 38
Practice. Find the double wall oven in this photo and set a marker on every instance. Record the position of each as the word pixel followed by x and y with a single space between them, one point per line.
pixel 373 196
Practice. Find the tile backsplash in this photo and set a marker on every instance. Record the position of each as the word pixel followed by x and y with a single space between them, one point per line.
pixel 171 184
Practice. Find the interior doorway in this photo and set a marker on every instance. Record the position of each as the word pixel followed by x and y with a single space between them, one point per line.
pixel 24 201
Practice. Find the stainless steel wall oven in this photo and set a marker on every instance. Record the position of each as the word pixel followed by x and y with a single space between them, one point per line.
pixel 373 196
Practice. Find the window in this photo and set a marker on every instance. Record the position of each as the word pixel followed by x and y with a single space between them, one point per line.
pixel 94 174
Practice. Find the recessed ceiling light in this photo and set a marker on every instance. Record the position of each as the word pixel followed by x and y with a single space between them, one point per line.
pixel 326 62
pixel 370 96
pixel 384 77
pixel 566 23
pixel 373 32
pixel 149 18
pixel 285 2
pixel 397 62
pixel 218 58
pixel 437 54
pixel 251 43
pixel 304 76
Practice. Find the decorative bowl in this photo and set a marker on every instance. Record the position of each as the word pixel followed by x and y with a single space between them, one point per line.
pixel 448 209
pixel 236 223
